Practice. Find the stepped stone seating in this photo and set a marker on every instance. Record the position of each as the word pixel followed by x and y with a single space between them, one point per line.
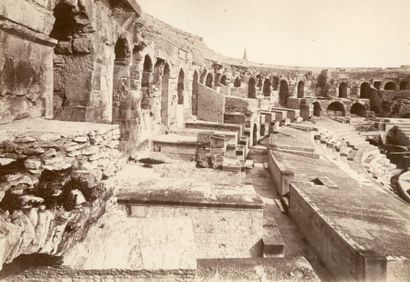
pixel 365 158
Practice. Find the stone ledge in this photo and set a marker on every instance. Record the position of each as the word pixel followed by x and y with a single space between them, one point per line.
pixel 26 33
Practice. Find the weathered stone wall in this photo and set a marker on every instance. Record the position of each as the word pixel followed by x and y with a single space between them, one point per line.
pixel 26 54
pixel 218 232
pixel 281 176
pixel 211 104
pixel 52 183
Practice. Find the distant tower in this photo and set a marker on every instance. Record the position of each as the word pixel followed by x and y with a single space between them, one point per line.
pixel 245 56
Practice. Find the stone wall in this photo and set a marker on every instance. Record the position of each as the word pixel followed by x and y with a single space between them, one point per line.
pixel 281 176
pixel 343 256
pixel 52 183
pixel 218 232
pixel 26 61
pixel 211 104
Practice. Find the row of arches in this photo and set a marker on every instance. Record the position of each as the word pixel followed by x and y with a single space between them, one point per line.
pixel 366 88
pixel 158 75
pixel 338 109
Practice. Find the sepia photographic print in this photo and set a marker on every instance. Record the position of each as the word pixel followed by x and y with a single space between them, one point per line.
pixel 204 140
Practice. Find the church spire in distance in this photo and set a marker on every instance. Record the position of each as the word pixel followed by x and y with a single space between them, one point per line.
pixel 245 55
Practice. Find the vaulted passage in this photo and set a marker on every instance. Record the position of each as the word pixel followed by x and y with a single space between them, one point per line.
pixel 181 87
pixel 120 79
pixel 358 109
pixel 237 82
pixel 365 90
pixel 146 80
pixel 252 88
pixel 195 94
pixel 267 88
pixel 209 80
pixel 317 109
pixel 390 86
pixel 283 93
pixel 223 80
pixel 343 90
pixel 301 89
pixel 336 109
pixel 165 95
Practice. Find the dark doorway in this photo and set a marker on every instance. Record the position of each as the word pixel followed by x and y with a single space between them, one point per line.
pixel 283 93
pixel 252 88
pixel 343 90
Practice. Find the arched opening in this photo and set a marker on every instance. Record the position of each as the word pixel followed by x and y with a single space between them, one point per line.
pixel 71 19
pixel 223 80
pixel 203 75
pixel 120 82
pixel 390 86
pixel 317 109
pixel 195 94
pixel 158 71
pixel 267 87
pixel 358 110
pixel 343 90
pixel 252 88
pixel 122 51
pixel 336 109
pixel 209 80
pixel 404 85
pixel 301 89
pixel 262 130
pixel 237 82
pixel 146 72
pixel 181 87
pixel 283 93
pixel 365 90
pixel 165 94
pixel 254 135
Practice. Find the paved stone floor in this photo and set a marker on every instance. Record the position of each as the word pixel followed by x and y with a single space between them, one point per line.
pixel 295 244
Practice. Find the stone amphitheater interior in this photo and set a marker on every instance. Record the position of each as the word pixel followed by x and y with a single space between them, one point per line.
pixel 132 151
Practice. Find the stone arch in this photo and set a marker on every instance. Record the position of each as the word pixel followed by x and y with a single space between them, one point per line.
pixel 301 89
pixel 165 94
pixel 146 71
pixel 224 80
pixel 209 80
pixel 252 88
pixel 336 109
pixel 365 90
pixel 283 93
pixel 404 85
pixel 195 89
pixel 262 130
pixel 181 87
pixel 203 76
pixel 317 109
pixel 237 82
pixel 358 109
pixel 120 84
pixel 70 19
pixel 390 86
pixel 267 89
pixel 343 90
pixel 254 135
pixel 122 51
pixel 158 68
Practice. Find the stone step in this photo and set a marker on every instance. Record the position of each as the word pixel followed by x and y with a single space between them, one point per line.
pixel 273 244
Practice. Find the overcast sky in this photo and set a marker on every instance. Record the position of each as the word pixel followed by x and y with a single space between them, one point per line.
pixel 297 32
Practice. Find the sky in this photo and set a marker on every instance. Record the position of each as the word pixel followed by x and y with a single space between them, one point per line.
pixel 333 33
